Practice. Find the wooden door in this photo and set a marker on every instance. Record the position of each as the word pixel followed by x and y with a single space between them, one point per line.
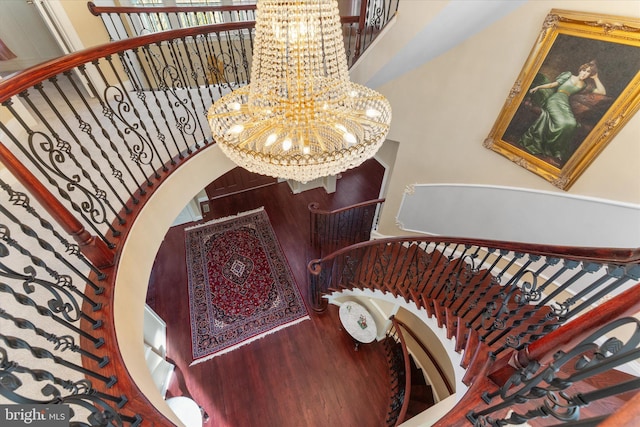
pixel 236 181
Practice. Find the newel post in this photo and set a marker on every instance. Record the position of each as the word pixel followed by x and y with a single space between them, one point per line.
pixel 361 28
pixel 92 247
pixel 567 336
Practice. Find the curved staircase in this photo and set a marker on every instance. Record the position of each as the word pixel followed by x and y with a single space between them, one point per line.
pixel 495 302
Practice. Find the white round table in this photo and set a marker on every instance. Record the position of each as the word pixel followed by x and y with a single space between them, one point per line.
pixel 358 322
pixel 187 410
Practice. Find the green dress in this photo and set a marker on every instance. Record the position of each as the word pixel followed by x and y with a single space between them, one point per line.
pixel 552 132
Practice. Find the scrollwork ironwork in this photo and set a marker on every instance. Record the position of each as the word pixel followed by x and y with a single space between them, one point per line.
pixel 552 383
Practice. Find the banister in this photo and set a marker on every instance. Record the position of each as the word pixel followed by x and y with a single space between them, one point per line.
pixel 455 280
pixel 19 82
pixel 359 30
pixel 543 349
pixel 99 327
pixel 93 248
pixel 97 10
pixel 361 25
pixel 426 351
pixel 314 207
pixel 579 253
pixel 407 374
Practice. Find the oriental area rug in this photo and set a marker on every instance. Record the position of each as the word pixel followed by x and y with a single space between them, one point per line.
pixel 240 285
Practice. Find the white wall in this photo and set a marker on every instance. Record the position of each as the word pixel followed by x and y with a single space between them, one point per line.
pixel 139 252
pixel 443 110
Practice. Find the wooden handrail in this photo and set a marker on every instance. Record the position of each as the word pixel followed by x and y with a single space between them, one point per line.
pixel 314 207
pixel 578 253
pixel 97 10
pixel 426 351
pixel 407 374
pixel 24 80
pixel 361 25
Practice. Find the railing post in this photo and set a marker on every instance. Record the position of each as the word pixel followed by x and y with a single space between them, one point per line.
pixel 93 248
pixel 317 287
pixel 361 25
pixel 567 336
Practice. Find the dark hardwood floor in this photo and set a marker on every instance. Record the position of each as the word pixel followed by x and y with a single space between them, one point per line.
pixel 304 375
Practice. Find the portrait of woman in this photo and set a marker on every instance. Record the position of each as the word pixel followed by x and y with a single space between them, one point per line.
pixel 552 132
pixel 569 94
pixel 579 85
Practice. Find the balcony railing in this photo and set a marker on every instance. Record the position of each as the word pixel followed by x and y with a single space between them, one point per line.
pixel 359 29
pixel 86 159
pixel 84 163
pixel 507 302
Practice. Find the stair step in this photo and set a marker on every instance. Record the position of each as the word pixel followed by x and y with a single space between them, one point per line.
pixel 451 321
pixel 461 334
pixel 439 313
pixel 416 407
pixel 479 359
pixel 470 347
pixel 422 393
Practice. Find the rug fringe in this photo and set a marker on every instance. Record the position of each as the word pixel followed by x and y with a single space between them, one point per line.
pixel 226 218
pixel 248 341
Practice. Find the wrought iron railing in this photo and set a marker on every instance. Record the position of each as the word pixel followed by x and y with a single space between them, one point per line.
pixel 553 390
pixel 101 151
pixel 336 229
pixel 400 373
pixel 500 301
pixel 419 347
pixel 90 141
pixel 122 22
pixel 360 27
pixel 87 143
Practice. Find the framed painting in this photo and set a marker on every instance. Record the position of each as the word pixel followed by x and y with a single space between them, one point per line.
pixel 577 89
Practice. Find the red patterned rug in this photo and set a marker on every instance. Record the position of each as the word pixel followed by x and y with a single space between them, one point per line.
pixel 240 285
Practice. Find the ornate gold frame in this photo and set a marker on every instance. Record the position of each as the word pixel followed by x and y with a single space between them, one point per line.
pixel 571 37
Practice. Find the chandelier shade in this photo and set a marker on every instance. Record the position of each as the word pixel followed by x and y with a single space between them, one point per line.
pixel 300 118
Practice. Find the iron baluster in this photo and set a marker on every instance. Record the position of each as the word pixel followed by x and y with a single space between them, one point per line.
pixel 145 150
pixel 41 353
pixel 163 88
pixel 5 236
pixel 590 359
pixel 200 52
pixel 623 275
pixel 116 173
pixel 172 80
pixel 156 98
pixel 44 311
pixel 62 343
pixel 109 113
pixel 87 129
pixel 187 65
pixel 43 170
pixel 17 198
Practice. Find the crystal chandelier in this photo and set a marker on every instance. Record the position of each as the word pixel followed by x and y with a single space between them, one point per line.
pixel 300 118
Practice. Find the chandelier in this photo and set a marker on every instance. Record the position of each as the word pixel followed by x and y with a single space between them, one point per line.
pixel 300 118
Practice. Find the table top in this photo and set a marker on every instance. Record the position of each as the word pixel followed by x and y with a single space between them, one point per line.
pixel 358 322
